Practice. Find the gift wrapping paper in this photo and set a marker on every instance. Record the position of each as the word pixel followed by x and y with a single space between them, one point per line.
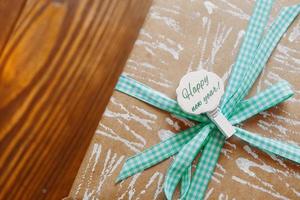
pixel 179 37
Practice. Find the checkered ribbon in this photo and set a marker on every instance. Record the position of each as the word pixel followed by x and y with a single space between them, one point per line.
pixel 205 137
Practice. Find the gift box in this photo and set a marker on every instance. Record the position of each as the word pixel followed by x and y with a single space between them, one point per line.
pixel 179 37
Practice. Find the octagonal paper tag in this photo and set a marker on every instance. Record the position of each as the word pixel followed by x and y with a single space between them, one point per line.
pixel 200 92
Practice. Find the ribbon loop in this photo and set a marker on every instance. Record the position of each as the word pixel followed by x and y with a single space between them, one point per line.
pixel 272 96
pixel 285 150
pixel 250 44
pixel 144 93
pixel 263 52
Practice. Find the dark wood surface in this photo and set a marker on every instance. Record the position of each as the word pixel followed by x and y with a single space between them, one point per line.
pixel 59 62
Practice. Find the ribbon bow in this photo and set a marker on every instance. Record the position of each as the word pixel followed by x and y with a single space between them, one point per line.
pixel 205 137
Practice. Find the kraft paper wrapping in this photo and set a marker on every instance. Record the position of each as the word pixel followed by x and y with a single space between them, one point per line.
pixel 178 37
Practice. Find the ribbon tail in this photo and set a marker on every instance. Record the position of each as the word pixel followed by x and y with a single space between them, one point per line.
pixel 184 159
pixel 206 166
pixel 157 153
pixel 185 182
pixel 285 150
pixel 270 97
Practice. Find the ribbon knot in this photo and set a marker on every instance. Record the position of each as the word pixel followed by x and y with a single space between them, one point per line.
pixel 205 137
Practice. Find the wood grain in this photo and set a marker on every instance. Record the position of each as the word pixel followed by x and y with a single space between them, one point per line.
pixel 9 13
pixel 57 71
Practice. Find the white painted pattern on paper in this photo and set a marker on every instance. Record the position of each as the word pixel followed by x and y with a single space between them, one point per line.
pixel 185 36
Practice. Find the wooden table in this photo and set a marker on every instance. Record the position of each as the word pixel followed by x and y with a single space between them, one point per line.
pixel 59 62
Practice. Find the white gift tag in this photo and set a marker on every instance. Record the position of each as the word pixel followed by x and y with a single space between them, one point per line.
pixel 201 92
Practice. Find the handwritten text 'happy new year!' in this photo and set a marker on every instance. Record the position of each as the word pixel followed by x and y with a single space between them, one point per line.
pixel 192 90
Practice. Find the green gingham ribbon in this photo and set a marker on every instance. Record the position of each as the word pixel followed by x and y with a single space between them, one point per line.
pixel 205 137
